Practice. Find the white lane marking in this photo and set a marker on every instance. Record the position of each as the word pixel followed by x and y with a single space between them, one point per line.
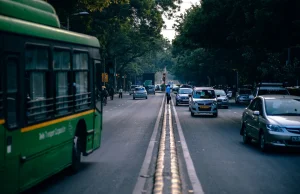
pixel 197 187
pixel 139 186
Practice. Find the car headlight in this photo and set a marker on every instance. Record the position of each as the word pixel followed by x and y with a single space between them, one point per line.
pixel 215 103
pixel 274 128
pixel 195 103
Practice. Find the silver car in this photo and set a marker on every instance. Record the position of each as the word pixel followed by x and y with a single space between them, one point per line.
pixel 182 96
pixel 222 98
pixel 203 101
pixel 272 120
pixel 140 92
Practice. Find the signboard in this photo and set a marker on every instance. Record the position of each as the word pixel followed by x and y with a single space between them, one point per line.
pixel 104 77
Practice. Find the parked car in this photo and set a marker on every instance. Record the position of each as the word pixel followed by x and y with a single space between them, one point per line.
pixel 151 89
pixel 140 92
pixel 222 98
pixel 132 89
pixel 182 96
pixel 203 101
pixel 243 95
pixel 272 120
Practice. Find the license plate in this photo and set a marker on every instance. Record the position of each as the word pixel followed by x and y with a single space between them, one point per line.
pixel 296 139
pixel 185 100
pixel 204 106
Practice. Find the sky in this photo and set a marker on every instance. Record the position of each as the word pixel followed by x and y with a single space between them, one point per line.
pixel 169 32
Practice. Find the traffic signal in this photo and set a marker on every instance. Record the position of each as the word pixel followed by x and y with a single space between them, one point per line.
pixel 164 77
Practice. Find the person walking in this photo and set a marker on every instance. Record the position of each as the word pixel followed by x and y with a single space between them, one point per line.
pixel 105 95
pixel 111 93
pixel 168 93
pixel 120 92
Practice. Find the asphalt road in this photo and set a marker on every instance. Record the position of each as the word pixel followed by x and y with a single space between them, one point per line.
pixel 225 165
pixel 114 168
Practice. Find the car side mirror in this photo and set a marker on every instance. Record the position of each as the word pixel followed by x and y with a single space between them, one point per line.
pixel 190 95
pixel 256 112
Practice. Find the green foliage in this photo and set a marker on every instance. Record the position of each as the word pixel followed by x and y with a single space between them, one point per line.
pixel 248 35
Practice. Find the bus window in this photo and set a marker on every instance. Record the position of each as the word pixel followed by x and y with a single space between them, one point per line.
pixel 62 67
pixel 80 67
pixel 12 89
pixel 36 65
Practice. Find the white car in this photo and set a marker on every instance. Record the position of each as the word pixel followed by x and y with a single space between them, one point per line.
pixel 203 101
pixel 140 92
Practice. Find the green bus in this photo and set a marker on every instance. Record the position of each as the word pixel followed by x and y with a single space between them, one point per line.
pixel 50 115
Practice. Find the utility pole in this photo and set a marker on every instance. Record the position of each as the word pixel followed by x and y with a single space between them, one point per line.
pixel 115 74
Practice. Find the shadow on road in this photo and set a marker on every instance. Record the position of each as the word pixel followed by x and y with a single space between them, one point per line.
pixel 55 179
pixel 273 151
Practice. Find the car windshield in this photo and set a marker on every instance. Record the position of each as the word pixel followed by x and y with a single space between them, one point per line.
pixel 289 107
pixel 139 89
pixel 185 91
pixel 220 92
pixel 150 87
pixel 205 94
pixel 273 91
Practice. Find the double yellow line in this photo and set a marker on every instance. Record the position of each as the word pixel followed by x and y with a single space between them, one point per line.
pixel 175 187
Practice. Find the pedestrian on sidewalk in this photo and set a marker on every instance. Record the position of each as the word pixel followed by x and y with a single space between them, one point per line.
pixel 168 93
pixel 111 93
pixel 120 92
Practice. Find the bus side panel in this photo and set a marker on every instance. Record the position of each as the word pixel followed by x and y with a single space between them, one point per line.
pixel 48 150
pixel 9 175
pixel 45 151
pixel 98 129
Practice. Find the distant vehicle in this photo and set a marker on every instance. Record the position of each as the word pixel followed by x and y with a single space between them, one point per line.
pixel 294 90
pixel 175 88
pixel 203 101
pixel 222 98
pixel 270 88
pixel 182 96
pixel 157 87
pixel 132 88
pixel 272 120
pixel 151 89
pixel 140 92
pixel 243 95
pixel 186 86
pixel 229 94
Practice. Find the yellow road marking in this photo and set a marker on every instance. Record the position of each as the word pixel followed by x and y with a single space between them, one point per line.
pixel 47 123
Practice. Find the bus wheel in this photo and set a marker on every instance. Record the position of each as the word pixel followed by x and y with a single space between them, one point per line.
pixel 76 155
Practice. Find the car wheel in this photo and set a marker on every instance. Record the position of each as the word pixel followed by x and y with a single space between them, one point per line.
pixel 133 98
pixel 246 138
pixel 176 103
pixel 146 97
pixel 262 142
pixel 226 107
pixel 215 114
pixel 192 114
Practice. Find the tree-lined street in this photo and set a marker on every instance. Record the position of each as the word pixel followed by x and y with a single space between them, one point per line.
pixel 223 164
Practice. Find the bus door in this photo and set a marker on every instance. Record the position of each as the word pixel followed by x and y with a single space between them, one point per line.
pixel 98 104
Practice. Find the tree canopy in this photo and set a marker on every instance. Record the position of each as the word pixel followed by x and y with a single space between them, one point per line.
pixel 249 36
